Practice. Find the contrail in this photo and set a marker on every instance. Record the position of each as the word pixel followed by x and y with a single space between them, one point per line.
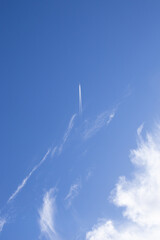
pixel 67 133
pixel 28 176
pixel 80 100
pixel 52 151
pixel 2 223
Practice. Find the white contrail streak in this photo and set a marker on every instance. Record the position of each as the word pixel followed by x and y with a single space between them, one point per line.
pixel 52 151
pixel 67 133
pixel 80 100
pixel 2 223
pixel 28 176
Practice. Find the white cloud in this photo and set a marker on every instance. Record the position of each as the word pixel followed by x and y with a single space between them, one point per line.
pixel 53 151
pixel 127 231
pixel 28 176
pixel 73 192
pixel 47 216
pixel 140 197
pixel 80 100
pixel 2 223
pixel 68 131
pixel 111 116
pixel 139 130
pixel 102 120
pixel 89 174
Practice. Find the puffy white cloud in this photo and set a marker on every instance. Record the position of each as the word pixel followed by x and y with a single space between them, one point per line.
pixel 139 196
pixel 125 231
pixel 47 215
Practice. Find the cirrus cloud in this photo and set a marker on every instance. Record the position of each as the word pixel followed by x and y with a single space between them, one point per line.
pixel 2 223
pixel 47 215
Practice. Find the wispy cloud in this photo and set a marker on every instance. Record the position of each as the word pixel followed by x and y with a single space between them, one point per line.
pixel 67 133
pixel 73 192
pixel 53 151
pixel 111 116
pixel 2 223
pixel 28 176
pixel 139 130
pixel 102 120
pixel 140 197
pixel 80 100
pixel 47 215
pixel 89 174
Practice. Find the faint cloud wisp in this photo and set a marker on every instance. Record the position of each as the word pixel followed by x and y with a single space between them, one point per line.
pixel 27 178
pixel 68 131
pixel 2 223
pixel 73 192
pixel 47 216
pixel 140 129
pixel 102 120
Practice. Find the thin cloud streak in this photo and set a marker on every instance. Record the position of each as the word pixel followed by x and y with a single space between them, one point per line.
pixel 2 223
pixel 53 151
pixel 140 129
pixel 73 192
pixel 103 119
pixel 80 100
pixel 67 133
pixel 47 215
pixel 139 197
pixel 28 176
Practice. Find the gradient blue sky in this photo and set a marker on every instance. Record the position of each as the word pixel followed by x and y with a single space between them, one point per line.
pixel 48 48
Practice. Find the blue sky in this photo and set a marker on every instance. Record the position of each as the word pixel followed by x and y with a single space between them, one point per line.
pixel 79 100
